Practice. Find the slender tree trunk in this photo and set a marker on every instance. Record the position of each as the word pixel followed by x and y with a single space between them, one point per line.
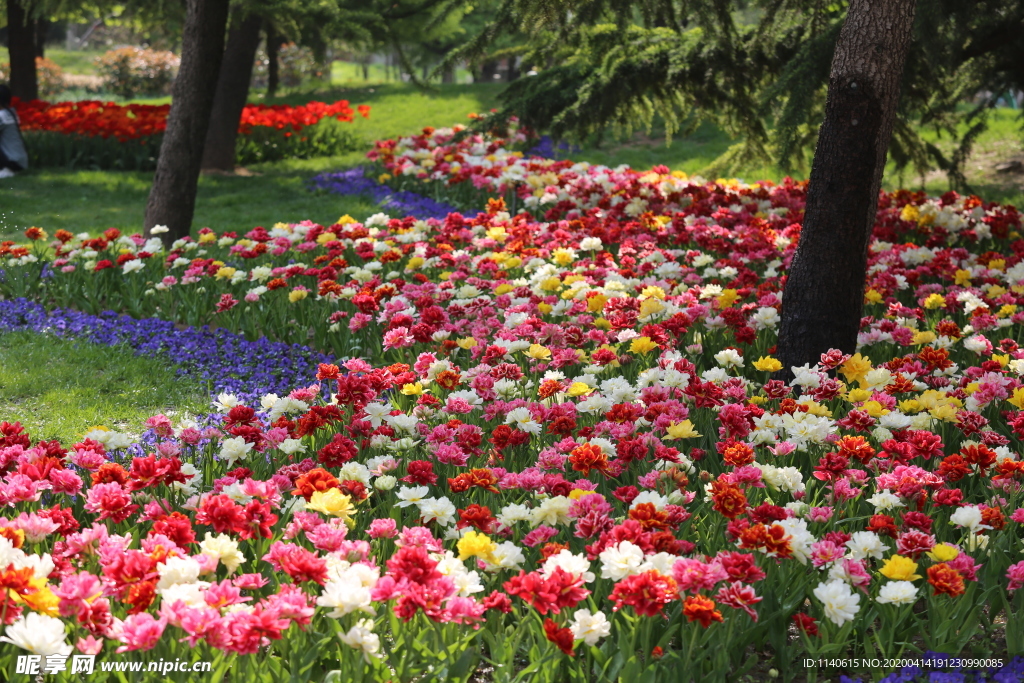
pixel 232 92
pixel 488 71
pixel 824 294
pixel 42 28
pixel 172 199
pixel 273 63
pixel 512 73
pixel 21 44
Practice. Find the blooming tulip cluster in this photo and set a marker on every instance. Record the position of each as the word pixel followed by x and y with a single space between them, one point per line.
pixel 128 137
pixel 558 442
pixel 124 122
pixel 470 167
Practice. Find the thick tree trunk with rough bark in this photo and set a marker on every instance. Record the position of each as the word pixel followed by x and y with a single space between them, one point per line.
pixel 21 44
pixel 232 92
pixel 172 199
pixel 824 294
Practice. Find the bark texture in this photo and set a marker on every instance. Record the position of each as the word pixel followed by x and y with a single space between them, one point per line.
pixel 824 294
pixel 172 198
pixel 21 43
pixel 232 92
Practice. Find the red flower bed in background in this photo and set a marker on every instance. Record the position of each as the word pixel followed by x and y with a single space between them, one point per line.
pixel 282 116
pixel 93 118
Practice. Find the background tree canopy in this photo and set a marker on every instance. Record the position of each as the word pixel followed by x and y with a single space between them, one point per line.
pixel 758 68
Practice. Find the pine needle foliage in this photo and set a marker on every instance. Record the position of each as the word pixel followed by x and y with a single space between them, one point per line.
pixel 758 68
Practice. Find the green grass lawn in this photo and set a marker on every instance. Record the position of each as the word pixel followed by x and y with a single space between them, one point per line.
pixel 59 389
pixel 71 61
pixel 74 61
pixel 401 109
pixel 95 200
pixel 351 73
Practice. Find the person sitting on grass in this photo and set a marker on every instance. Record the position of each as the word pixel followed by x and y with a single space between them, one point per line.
pixel 13 156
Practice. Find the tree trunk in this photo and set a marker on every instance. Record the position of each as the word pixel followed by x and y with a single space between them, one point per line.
pixel 232 92
pixel 824 293
pixel 273 64
pixel 21 44
pixel 172 199
pixel 512 73
pixel 42 29
pixel 448 74
pixel 488 71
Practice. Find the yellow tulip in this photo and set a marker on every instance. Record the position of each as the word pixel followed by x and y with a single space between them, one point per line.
pixel 767 364
pixel 475 544
pixel 331 502
pixel 682 430
pixel 642 345
pixel 899 568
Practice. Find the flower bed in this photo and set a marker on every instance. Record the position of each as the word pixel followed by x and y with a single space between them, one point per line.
pixel 553 449
pixel 109 135
pixel 469 168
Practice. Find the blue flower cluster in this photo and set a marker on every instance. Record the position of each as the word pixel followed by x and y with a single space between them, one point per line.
pixel 225 361
pixel 1011 672
pixel 547 148
pixel 354 181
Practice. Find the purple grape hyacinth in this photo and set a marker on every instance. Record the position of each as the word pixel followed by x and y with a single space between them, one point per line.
pixel 354 181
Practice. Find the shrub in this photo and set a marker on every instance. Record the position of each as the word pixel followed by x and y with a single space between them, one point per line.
pixel 131 71
pixel 49 74
pixel 85 84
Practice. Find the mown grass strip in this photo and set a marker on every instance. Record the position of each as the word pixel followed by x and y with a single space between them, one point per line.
pixel 59 388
